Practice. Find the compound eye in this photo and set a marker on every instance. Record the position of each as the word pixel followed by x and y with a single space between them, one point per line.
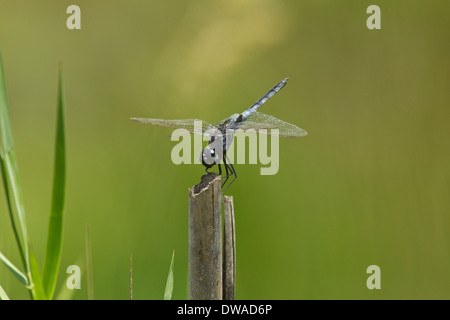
pixel 213 153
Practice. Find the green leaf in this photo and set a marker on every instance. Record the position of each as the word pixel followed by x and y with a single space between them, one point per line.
pixel 169 282
pixel 4 114
pixel 3 295
pixel 10 177
pixel 16 272
pixel 37 288
pixel 54 238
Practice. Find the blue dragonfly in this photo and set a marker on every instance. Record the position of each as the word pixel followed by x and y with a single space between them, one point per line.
pixel 221 134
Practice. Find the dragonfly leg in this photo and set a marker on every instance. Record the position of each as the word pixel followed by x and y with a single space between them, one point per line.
pixel 226 172
pixel 232 170
pixel 220 169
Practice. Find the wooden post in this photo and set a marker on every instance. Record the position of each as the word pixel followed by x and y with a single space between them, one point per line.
pixel 229 249
pixel 205 239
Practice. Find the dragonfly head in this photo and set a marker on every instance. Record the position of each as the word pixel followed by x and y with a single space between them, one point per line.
pixel 209 157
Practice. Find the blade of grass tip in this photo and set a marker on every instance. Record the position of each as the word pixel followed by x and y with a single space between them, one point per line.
pixel 89 268
pixel 10 176
pixel 37 289
pixel 55 226
pixel 15 271
pixel 3 295
pixel 169 283
pixel 131 277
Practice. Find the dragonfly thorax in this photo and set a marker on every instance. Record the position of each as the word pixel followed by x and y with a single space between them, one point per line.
pixel 209 157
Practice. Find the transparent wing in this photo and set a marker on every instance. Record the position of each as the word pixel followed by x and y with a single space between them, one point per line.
pixel 261 120
pixel 191 125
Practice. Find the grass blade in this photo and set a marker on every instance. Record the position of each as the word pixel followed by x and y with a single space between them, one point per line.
pixel 3 295
pixel 9 201
pixel 10 177
pixel 15 271
pixel 89 267
pixel 131 277
pixel 37 288
pixel 4 118
pixel 169 282
pixel 54 239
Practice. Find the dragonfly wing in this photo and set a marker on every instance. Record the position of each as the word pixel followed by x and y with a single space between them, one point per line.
pixel 191 125
pixel 259 121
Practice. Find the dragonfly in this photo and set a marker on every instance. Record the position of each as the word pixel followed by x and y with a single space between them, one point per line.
pixel 221 134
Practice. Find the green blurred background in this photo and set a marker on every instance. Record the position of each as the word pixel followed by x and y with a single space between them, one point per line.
pixel 370 184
